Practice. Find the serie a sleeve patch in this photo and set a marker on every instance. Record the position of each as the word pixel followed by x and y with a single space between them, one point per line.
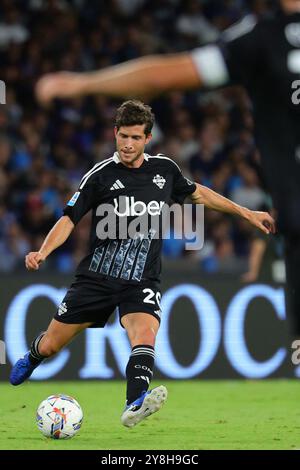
pixel 73 199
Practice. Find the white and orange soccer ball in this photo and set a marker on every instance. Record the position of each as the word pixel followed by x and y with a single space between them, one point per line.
pixel 59 417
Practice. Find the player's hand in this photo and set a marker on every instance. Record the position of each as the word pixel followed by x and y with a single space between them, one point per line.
pixel 33 260
pixel 263 221
pixel 249 277
pixel 56 85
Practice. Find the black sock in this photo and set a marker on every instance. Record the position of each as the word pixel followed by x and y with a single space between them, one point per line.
pixel 34 356
pixel 139 371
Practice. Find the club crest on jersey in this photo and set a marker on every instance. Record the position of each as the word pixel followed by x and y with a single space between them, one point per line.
pixel 159 181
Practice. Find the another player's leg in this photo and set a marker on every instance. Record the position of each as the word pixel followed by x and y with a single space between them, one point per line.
pixel 292 260
pixel 142 329
pixel 45 345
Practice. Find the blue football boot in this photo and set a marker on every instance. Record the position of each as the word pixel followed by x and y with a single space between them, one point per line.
pixel 144 406
pixel 22 369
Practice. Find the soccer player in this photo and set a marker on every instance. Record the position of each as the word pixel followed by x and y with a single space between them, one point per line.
pixel 122 273
pixel 264 56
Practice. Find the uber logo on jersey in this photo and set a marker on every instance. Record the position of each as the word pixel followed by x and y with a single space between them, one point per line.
pixel 125 206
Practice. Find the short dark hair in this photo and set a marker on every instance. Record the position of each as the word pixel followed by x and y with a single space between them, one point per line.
pixel 134 112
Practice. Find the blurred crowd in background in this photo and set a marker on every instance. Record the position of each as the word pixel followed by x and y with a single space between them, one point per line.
pixel 45 152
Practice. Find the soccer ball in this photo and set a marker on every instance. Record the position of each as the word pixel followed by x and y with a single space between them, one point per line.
pixel 59 417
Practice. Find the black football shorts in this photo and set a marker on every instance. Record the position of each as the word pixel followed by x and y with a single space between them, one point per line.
pixel 93 300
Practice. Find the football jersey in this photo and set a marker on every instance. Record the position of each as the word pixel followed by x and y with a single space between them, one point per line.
pixel 129 193
pixel 264 56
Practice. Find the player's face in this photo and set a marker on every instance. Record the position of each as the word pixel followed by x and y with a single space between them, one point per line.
pixel 131 141
pixel 290 6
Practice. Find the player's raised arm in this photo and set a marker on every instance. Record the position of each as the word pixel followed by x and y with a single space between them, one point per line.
pixel 56 237
pixel 145 76
pixel 213 200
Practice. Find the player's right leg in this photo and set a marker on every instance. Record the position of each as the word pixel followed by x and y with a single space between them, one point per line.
pixel 43 346
pixel 141 328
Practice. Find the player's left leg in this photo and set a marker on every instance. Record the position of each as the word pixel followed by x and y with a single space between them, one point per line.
pixel 45 345
pixel 141 329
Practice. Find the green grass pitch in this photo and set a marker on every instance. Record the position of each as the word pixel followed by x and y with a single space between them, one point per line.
pixel 197 415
